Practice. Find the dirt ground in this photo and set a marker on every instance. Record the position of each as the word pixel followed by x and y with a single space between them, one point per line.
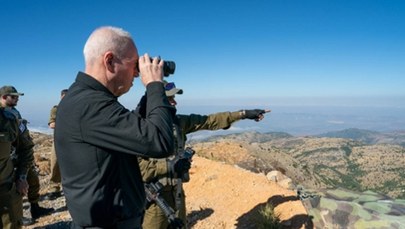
pixel 218 196
pixel 225 196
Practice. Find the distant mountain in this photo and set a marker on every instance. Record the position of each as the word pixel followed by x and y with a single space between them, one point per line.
pixel 368 137
pixel 251 136
pixel 320 161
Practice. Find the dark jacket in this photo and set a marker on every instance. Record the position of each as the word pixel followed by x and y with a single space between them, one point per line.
pixel 13 134
pixel 97 142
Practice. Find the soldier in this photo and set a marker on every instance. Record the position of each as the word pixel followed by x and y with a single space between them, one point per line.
pixel 55 180
pixel 163 170
pixel 13 182
pixel 9 99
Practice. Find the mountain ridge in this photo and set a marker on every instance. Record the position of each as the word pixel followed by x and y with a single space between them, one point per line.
pixel 368 136
pixel 323 162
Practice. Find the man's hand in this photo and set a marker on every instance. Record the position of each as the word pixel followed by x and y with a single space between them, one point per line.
pixel 52 125
pixel 256 114
pixel 150 70
pixel 22 186
pixel 179 166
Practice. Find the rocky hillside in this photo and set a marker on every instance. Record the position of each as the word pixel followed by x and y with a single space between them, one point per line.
pixel 317 162
pixel 232 180
pixel 219 195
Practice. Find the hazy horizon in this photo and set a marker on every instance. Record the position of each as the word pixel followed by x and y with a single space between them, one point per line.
pixel 290 118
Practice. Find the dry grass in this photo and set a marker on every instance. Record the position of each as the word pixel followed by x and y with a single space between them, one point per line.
pixel 268 218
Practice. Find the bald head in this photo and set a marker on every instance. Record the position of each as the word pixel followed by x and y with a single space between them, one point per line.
pixel 111 57
pixel 106 39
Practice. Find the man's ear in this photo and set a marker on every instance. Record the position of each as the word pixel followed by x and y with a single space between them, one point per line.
pixel 109 61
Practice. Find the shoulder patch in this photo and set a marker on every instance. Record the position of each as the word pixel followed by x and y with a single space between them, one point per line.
pixel 22 127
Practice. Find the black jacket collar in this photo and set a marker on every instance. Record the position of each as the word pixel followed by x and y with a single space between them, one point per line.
pixel 89 81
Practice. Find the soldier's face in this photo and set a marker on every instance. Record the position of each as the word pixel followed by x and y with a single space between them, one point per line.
pixel 172 101
pixel 12 100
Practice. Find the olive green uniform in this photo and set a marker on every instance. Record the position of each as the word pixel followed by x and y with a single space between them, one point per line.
pixel 34 185
pixel 52 115
pixel 13 134
pixel 55 179
pixel 32 174
pixel 157 169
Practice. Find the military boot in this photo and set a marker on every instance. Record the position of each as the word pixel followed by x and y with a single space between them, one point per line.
pixel 37 211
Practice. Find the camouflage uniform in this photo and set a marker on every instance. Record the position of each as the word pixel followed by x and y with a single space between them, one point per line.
pixel 9 99
pixel 157 169
pixel 12 134
pixel 342 208
pixel 32 174
pixel 55 172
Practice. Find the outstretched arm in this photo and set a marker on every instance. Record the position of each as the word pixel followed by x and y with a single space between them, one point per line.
pixel 222 120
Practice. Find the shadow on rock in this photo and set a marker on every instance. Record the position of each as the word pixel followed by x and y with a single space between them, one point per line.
pixel 298 221
pixel 61 209
pixel 253 218
pixel 277 200
pixel 58 225
pixel 250 219
pixel 194 216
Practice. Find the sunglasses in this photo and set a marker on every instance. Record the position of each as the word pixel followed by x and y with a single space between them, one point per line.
pixel 13 96
pixel 170 86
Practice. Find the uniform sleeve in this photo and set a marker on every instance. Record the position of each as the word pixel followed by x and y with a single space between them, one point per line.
pixel 152 169
pixel 217 121
pixel 24 149
pixel 52 116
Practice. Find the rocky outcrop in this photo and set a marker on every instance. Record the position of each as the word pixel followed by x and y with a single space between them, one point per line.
pixel 218 194
pixel 280 179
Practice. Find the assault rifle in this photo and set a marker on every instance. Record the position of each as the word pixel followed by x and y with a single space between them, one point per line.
pixel 152 195
pixel 188 153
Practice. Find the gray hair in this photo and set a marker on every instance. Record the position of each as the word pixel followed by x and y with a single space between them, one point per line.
pixel 106 39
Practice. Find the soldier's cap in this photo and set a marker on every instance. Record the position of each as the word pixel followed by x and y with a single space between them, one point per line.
pixel 171 89
pixel 9 90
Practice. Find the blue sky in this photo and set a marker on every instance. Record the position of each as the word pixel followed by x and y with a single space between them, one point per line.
pixel 258 52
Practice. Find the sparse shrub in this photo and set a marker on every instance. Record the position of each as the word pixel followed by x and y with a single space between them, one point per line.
pixel 268 218
pixel 347 150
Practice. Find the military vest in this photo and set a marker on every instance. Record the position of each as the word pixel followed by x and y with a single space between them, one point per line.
pixel 8 135
pixel 179 147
